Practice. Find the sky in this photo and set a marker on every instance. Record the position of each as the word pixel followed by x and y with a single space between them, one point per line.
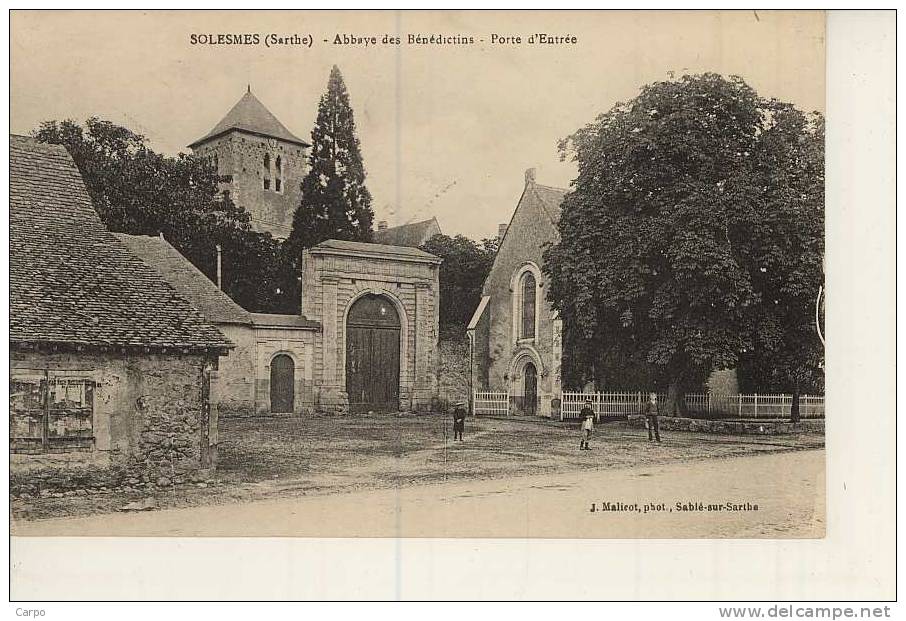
pixel 446 130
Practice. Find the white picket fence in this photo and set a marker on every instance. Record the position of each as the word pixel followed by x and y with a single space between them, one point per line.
pixel 603 404
pixel 621 404
pixel 716 406
pixel 491 403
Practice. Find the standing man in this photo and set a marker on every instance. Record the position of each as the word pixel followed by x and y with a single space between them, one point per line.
pixel 651 418
pixel 588 425
pixel 459 420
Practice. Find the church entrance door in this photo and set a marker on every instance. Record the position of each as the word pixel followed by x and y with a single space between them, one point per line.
pixel 373 355
pixel 530 402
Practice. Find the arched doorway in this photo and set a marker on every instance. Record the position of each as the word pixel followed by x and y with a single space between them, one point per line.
pixel 373 355
pixel 282 384
pixel 530 389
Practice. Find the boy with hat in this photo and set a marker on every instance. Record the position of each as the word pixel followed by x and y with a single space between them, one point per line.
pixel 459 420
pixel 588 425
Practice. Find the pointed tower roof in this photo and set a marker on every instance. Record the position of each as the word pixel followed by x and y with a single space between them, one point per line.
pixel 249 115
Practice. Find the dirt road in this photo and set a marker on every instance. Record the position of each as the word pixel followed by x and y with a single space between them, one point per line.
pixel 780 495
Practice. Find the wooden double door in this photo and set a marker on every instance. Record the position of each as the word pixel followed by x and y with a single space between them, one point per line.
pixel 373 355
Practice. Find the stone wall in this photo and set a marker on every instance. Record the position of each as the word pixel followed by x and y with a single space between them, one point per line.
pixel 453 382
pixel 152 419
pixel 333 280
pixel 731 427
pixel 241 157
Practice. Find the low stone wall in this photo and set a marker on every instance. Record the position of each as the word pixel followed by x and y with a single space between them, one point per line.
pixel 732 427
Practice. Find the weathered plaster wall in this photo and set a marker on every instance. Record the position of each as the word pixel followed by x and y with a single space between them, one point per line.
pixel 237 370
pixel 152 423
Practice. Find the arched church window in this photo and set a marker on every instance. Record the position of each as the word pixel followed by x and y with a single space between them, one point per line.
pixel 528 306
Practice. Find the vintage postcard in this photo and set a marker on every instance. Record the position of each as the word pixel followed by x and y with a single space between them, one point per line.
pixel 419 274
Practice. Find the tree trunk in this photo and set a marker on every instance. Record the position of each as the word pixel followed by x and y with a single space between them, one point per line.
pixel 676 399
pixel 794 406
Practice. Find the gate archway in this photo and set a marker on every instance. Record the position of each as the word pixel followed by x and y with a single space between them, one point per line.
pixel 373 355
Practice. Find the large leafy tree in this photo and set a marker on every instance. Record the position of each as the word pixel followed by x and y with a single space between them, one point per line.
pixel 466 264
pixel 666 236
pixel 139 191
pixel 335 202
pixel 787 258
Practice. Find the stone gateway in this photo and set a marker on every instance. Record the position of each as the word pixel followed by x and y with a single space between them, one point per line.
pixel 378 307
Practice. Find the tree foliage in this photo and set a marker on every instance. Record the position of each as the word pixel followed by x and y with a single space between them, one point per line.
pixel 139 191
pixel 335 202
pixel 462 274
pixel 692 205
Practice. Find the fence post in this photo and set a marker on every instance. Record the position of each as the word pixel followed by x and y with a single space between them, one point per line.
pixel 756 405
pixel 739 411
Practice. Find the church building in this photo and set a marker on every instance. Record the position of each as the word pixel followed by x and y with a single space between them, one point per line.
pixel 260 162
pixel 516 336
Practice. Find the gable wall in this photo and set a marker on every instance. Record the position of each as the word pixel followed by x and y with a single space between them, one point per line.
pixel 528 232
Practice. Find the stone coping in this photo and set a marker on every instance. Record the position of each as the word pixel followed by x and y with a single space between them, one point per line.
pixel 733 427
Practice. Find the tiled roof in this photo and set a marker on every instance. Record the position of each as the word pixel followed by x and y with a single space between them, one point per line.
pixel 269 320
pixel 72 282
pixel 250 115
pixel 334 246
pixel 188 280
pixel 413 234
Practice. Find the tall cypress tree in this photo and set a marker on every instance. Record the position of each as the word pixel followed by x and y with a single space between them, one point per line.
pixel 335 202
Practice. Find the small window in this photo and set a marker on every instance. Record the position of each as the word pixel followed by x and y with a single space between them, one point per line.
pixel 528 306
pixel 278 184
pixel 267 171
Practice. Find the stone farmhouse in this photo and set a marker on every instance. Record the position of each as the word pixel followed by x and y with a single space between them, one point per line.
pixel 109 364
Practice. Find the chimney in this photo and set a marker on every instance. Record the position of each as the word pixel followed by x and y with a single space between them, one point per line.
pixel 219 268
pixel 529 176
pixel 382 225
pixel 501 230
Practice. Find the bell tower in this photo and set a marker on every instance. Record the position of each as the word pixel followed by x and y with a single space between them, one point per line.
pixel 260 162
